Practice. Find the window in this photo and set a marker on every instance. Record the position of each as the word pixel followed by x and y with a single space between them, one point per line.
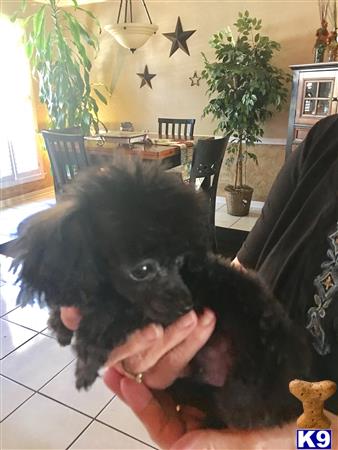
pixel 19 157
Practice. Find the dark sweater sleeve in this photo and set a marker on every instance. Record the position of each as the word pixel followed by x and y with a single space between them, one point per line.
pixel 279 194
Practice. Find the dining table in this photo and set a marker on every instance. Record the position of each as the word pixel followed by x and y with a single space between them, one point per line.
pixel 169 152
pixel 123 137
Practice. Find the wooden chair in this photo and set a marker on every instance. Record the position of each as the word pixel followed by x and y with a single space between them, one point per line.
pixel 176 128
pixel 206 164
pixel 67 155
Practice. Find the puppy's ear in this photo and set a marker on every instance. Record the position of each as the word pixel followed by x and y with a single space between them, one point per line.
pixel 54 257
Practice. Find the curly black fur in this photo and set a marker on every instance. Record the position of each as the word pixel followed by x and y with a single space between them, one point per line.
pixel 129 246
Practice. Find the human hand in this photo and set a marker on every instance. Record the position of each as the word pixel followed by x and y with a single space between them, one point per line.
pixel 161 355
pixel 183 430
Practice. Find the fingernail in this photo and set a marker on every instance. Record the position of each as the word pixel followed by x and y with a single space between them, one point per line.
pixel 207 318
pixel 152 332
pixel 187 320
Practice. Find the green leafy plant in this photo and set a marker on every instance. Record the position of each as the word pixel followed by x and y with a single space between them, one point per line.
pixel 58 46
pixel 244 88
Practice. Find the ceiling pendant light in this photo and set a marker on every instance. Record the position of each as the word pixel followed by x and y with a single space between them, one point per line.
pixel 131 34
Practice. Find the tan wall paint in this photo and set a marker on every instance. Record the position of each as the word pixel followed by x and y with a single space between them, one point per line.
pixel 261 177
pixel 291 23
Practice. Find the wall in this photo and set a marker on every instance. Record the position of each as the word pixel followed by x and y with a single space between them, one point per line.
pixel 291 23
pixel 171 93
pixel 261 176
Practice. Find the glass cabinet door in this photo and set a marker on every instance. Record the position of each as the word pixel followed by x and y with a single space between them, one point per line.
pixel 316 96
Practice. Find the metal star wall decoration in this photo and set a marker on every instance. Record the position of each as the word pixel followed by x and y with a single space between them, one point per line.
pixel 195 79
pixel 179 38
pixel 146 77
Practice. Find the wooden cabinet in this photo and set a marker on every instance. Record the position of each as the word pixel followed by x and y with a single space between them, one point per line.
pixel 314 96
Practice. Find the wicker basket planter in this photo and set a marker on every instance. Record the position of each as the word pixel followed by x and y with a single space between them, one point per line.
pixel 238 200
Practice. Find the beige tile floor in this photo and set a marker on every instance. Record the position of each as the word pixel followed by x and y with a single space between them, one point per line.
pixel 40 407
pixel 223 219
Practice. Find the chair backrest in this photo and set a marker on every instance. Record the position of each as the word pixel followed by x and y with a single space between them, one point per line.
pixel 176 128
pixel 67 155
pixel 206 164
pixel 70 130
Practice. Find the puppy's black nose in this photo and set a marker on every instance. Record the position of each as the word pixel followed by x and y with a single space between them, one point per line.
pixel 183 300
pixel 185 309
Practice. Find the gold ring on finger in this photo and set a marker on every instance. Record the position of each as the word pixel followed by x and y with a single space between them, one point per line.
pixel 138 377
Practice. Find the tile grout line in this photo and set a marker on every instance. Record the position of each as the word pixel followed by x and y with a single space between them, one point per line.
pixel 57 373
pixel 29 329
pixel 105 406
pixel 19 324
pixel 12 351
pixel 64 404
pixel 37 391
pixel 2 317
pixel 17 382
pixel 125 433
pixel 19 406
pixel 80 434
pixel 20 384
pixel 117 429
pixel 93 419
pixel 223 226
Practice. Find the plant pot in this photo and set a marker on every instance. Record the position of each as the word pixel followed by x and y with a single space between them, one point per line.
pixel 238 200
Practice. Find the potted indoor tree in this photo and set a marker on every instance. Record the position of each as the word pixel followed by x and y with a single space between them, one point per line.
pixel 60 47
pixel 244 89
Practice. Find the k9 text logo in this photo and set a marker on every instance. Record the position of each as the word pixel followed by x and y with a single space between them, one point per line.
pixel 314 439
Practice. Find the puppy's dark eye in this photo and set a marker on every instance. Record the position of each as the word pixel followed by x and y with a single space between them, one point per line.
pixel 179 261
pixel 145 270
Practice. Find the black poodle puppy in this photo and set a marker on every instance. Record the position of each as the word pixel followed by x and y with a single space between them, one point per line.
pixel 129 246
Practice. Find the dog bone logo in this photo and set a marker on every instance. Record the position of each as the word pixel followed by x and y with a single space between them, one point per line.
pixel 313 396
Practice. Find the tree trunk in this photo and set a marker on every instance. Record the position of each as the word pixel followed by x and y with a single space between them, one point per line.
pixel 239 166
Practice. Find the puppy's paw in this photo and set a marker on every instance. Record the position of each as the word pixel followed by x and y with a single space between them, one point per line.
pixel 85 375
pixel 64 338
pixel 83 382
pixel 63 334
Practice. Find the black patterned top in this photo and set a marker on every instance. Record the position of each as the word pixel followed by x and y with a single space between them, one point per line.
pixel 326 292
pixel 289 244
